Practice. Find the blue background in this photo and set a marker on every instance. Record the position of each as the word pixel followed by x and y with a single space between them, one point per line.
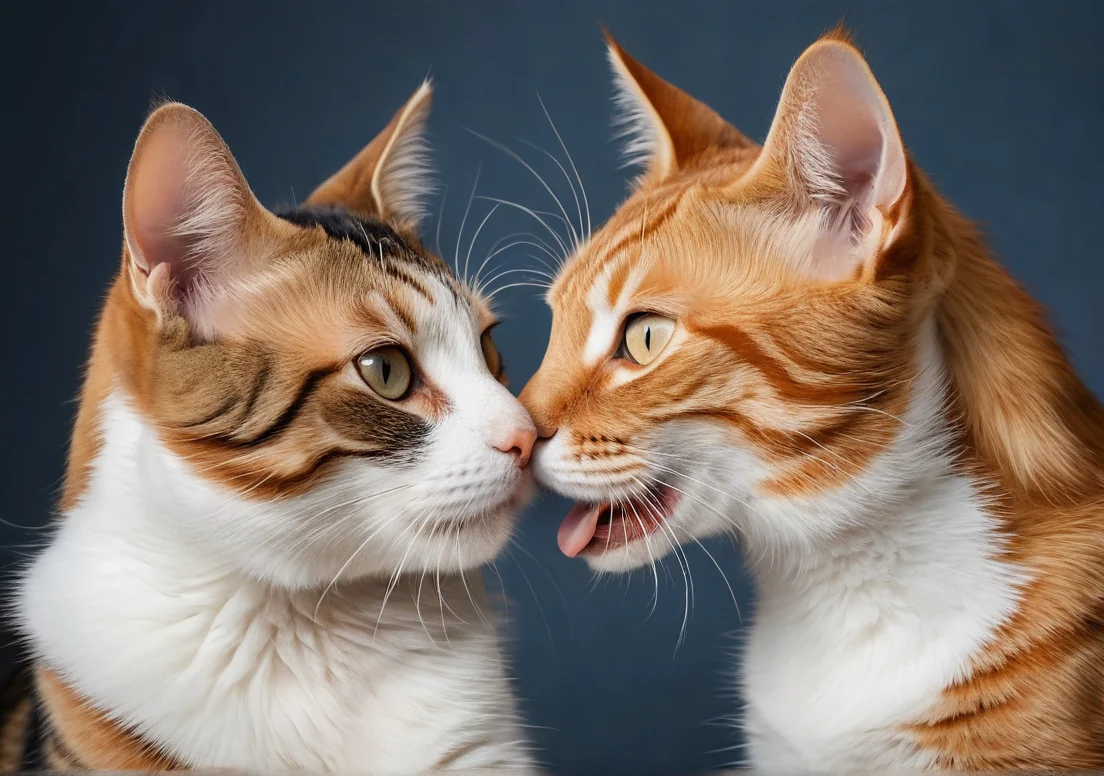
pixel 1000 102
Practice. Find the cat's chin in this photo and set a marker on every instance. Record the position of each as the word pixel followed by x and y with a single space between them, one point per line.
pixel 467 541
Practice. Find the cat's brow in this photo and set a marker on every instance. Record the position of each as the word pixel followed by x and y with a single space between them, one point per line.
pixel 394 254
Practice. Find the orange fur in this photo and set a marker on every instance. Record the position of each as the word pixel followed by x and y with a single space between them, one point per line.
pixel 814 375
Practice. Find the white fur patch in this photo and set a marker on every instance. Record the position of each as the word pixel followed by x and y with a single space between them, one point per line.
pixel 645 137
pixel 226 671
pixel 603 321
pixel 873 597
pixel 207 621
pixel 403 178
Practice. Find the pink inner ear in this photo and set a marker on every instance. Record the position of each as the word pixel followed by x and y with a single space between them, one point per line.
pixel 856 131
pixel 848 152
pixel 849 132
pixel 186 205
pixel 157 205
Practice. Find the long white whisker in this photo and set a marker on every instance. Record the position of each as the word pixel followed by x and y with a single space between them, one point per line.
pixel 517 285
pixel 440 218
pixel 574 194
pixel 515 244
pixel 517 157
pixel 651 557
pixel 397 575
pixel 514 271
pixel 345 565
pixel 555 235
pixel 467 258
pixel 582 188
pixel 464 220
pixel 464 580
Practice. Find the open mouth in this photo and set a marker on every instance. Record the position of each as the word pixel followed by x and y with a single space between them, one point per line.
pixel 592 529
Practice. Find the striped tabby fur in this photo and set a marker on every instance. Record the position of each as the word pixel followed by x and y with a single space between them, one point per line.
pixel 264 556
pixel 848 384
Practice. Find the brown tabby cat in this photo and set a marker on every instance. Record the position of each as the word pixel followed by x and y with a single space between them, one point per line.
pixel 803 345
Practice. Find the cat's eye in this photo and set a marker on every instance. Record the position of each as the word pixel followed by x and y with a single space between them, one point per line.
pixel 646 335
pixel 386 371
pixel 490 353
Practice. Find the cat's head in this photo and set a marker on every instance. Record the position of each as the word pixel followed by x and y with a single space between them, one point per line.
pixel 738 340
pixel 316 392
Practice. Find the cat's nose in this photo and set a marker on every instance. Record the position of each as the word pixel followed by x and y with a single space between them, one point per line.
pixel 517 440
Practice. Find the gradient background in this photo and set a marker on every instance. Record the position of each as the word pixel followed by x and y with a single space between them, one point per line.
pixel 1001 103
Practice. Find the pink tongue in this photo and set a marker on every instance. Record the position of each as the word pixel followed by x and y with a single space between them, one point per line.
pixel 577 529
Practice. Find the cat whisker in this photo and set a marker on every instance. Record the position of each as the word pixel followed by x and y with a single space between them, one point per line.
pixel 517 285
pixel 493 565
pixel 464 221
pixel 441 597
pixel 440 218
pixel 683 561
pixel 574 194
pixel 645 453
pixel 651 558
pixel 526 270
pixel 518 158
pixel 529 211
pixel 418 599
pixel 517 545
pixel 467 257
pixel 345 565
pixel 582 188
pixel 464 580
pixel 480 285
pixel 395 577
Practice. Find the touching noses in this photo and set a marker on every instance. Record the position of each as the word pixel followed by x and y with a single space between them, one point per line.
pixel 517 440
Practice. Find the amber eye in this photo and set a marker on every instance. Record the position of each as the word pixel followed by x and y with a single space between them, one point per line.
pixel 490 353
pixel 386 371
pixel 646 335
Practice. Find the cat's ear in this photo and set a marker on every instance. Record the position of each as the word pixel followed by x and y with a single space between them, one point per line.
pixel 390 177
pixel 664 129
pixel 189 217
pixel 834 144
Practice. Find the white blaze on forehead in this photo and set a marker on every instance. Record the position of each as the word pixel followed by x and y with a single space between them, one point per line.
pixel 605 321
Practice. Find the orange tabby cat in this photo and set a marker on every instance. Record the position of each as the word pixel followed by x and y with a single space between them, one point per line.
pixel 804 345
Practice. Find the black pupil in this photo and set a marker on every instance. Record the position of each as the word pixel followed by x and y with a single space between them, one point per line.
pixel 648 337
pixel 385 369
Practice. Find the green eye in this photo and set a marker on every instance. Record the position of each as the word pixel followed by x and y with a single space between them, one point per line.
pixel 386 371
pixel 646 336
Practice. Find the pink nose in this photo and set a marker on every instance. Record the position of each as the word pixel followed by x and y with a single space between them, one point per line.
pixel 519 441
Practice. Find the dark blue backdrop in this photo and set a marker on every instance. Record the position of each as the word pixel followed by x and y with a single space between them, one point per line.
pixel 1000 102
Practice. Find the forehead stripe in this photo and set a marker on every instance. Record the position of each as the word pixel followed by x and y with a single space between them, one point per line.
pixel 375 239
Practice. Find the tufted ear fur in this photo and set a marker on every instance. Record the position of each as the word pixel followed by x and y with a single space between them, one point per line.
pixel 664 129
pixel 390 177
pixel 835 145
pixel 190 220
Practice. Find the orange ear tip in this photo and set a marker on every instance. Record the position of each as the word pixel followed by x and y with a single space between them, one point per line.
pixel 839 34
pixel 607 36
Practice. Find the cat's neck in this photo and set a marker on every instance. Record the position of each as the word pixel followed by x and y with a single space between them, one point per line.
pixel 900 525
pixel 858 632
pixel 1028 421
pixel 146 621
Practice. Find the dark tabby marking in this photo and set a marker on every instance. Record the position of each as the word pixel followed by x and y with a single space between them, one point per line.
pixel 373 237
pixel 21 723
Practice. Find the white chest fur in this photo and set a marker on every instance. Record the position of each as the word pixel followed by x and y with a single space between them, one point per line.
pixel 857 635
pixel 225 671
pixel 881 623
